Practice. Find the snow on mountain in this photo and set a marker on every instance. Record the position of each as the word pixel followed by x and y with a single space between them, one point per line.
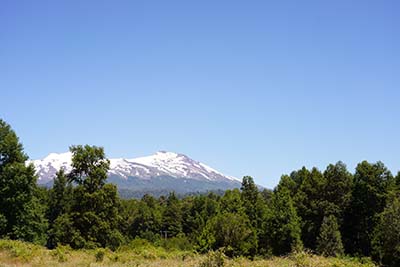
pixel 161 164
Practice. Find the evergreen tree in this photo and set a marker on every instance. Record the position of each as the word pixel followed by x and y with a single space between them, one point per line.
pixel 337 191
pixel 59 202
pixel 250 197
pixel 287 182
pixel 309 202
pixel 372 183
pixel 297 177
pixel 329 242
pixel 147 221
pixel 197 211
pixel 386 240
pixel 59 197
pixel 232 202
pixel 21 214
pixel 254 205
pixel 172 216
pixel 283 232
pixel 397 182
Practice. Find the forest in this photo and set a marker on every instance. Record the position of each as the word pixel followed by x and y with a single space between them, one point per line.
pixel 331 212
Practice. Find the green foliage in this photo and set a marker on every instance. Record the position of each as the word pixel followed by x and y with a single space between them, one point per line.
pixel 21 214
pixel 307 207
pixel 94 217
pixel 386 241
pixel 309 202
pixel 372 183
pixel 18 249
pixel 61 253
pixel 214 259
pixel 329 242
pixel 337 190
pixel 146 222
pixel 254 207
pixel 282 225
pixel 99 254
pixel 232 202
pixel 250 197
pixel 231 231
pixel 172 217
pixel 59 202
pixel 179 242
pixel 89 167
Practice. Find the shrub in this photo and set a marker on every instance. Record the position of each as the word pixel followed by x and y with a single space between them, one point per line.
pixel 214 259
pixel 60 253
pixel 100 254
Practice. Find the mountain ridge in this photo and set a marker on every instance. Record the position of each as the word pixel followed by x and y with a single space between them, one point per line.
pixel 162 171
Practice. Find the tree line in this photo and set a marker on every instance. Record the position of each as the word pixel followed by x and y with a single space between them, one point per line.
pixel 331 212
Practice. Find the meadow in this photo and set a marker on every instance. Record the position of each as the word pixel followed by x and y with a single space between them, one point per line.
pixel 18 253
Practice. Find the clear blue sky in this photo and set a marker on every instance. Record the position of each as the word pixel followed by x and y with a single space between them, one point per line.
pixel 248 87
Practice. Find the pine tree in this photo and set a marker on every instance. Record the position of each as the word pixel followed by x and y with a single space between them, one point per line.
pixel 172 216
pixel 372 183
pixel 309 203
pixel 337 191
pixel 147 221
pixel 386 240
pixel 252 201
pixel 250 197
pixel 59 197
pixel 254 206
pixel 329 242
pixel 21 214
pixel 59 203
pixel 283 232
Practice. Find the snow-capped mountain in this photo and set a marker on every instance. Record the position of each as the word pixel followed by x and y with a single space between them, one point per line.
pixel 163 171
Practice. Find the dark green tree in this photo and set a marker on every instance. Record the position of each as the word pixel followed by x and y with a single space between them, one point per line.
pixel 254 206
pixel 172 216
pixel 21 214
pixel 59 197
pixel 397 182
pixel 283 232
pixel 232 202
pixel 329 242
pixel 372 182
pixel 386 240
pixel 197 211
pixel 250 197
pixel 147 221
pixel 337 191
pixel 229 231
pixel 89 167
pixel 59 202
pixel 309 202
pixel 297 177
pixel 94 219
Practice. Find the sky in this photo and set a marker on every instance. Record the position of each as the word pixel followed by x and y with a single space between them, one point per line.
pixel 256 88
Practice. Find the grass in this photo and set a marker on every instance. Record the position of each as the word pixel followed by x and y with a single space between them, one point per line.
pixel 143 254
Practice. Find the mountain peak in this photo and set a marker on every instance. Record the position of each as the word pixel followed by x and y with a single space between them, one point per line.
pixel 157 166
pixel 58 156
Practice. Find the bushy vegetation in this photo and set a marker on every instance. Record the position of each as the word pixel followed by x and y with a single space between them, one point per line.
pixel 331 213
